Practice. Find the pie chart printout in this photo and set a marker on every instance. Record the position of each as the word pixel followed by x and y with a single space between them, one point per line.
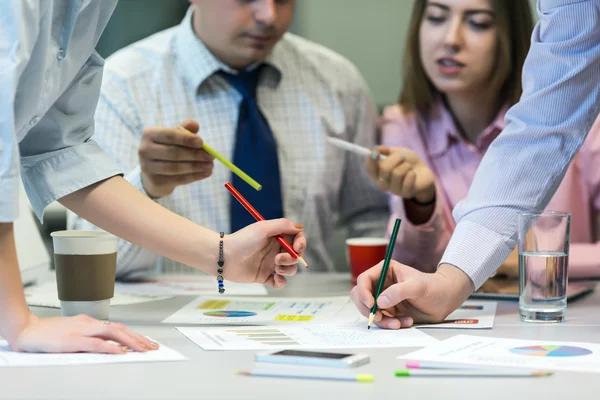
pixel 551 351
pixel 230 314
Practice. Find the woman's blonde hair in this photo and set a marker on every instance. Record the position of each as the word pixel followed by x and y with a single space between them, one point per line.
pixel 514 23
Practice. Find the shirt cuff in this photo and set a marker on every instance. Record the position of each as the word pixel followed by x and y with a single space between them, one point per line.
pixel 135 178
pixel 476 250
pixel 48 177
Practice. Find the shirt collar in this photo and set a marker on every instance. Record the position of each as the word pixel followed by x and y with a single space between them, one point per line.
pixel 440 120
pixel 197 64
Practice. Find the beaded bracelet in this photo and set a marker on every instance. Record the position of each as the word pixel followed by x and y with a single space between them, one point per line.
pixel 221 262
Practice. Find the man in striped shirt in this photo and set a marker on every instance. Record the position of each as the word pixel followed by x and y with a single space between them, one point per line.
pixel 305 93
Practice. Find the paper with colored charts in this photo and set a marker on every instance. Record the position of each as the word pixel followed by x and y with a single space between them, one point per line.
pixel 265 311
pixel 517 353
pixel 10 358
pixel 334 336
pixel 471 315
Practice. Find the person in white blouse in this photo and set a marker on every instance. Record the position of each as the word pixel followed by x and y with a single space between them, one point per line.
pixel 50 81
pixel 306 93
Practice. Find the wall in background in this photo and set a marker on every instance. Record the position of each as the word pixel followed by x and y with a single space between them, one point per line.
pixel 370 33
pixel 136 19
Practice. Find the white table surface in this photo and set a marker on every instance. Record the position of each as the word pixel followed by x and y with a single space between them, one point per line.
pixel 209 375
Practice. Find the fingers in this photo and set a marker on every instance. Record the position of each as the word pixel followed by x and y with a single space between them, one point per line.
pixel 410 289
pixel 276 281
pixel 191 125
pixel 286 270
pixel 395 323
pixel 280 226
pixel 123 335
pixel 280 281
pixel 173 136
pixel 169 168
pixel 156 151
pixel 398 183
pixel 285 259
pixel 372 167
pixel 396 160
pixel 95 345
pixel 360 302
pixel 363 291
pixel 299 243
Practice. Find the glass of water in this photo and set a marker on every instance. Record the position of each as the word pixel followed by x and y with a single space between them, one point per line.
pixel 543 262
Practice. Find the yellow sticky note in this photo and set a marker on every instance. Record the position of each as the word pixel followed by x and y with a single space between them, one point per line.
pixel 213 305
pixel 294 318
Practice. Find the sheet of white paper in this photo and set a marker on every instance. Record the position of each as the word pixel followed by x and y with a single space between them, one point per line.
pixel 517 353
pixel 265 311
pixel 186 285
pixel 15 359
pixel 46 295
pixel 350 335
pixel 471 315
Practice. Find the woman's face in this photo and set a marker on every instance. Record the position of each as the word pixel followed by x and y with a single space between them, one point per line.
pixel 458 42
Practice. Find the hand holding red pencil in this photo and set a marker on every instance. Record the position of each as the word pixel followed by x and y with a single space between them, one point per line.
pixel 270 236
pixel 238 196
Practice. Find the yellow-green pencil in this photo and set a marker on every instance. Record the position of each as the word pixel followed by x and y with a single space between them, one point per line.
pixel 245 177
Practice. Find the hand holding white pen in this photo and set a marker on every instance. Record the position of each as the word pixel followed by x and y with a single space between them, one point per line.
pixel 402 172
pixel 353 148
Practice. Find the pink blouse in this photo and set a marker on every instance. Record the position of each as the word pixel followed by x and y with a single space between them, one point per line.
pixel 454 161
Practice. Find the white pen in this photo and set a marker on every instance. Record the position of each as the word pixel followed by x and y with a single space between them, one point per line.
pixel 309 375
pixel 354 148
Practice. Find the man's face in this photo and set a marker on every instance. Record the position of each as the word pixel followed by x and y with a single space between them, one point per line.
pixel 242 32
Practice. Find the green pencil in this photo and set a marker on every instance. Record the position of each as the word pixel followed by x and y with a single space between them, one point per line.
pixel 481 373
pixel 386 264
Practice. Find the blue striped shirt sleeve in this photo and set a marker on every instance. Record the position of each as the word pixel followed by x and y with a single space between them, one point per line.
pixel 525 165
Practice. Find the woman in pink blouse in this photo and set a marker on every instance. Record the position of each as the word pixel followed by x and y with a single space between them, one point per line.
pixel 462 72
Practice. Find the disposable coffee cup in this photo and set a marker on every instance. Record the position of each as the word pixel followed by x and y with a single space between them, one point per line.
pixel 86 264
pixel 364 253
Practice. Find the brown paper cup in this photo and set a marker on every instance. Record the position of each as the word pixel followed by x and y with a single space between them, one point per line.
pixel 86 263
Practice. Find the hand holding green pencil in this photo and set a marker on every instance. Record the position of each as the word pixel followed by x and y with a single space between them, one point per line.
pixel 384 270
pixel 407 295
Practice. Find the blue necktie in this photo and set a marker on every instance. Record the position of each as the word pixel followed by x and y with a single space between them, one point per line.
pixel 255 153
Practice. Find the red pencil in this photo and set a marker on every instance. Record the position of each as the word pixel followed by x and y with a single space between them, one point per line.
pixel 238 196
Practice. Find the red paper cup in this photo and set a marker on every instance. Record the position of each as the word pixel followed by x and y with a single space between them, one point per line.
pixel 365 253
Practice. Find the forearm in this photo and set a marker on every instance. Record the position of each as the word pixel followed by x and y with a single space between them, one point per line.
pixel 525 164
pixel 419 245
pixel 14 312
pixel 117 207
pixel 130 257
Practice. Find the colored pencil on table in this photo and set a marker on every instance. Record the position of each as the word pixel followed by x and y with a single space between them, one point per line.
pixel 421 365
pixel 245 177
pixel 238 196
pixel 483 373
pixel 304 375
pixel 384 269
pixel 354 148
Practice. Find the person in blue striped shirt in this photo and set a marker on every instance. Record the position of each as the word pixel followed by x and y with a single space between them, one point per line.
pixel 302 93
pixel 520 172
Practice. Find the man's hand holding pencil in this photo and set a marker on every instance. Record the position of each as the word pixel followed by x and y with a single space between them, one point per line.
pixel 410 296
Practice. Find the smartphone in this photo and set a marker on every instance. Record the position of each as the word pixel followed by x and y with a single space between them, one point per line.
pixel 316 358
